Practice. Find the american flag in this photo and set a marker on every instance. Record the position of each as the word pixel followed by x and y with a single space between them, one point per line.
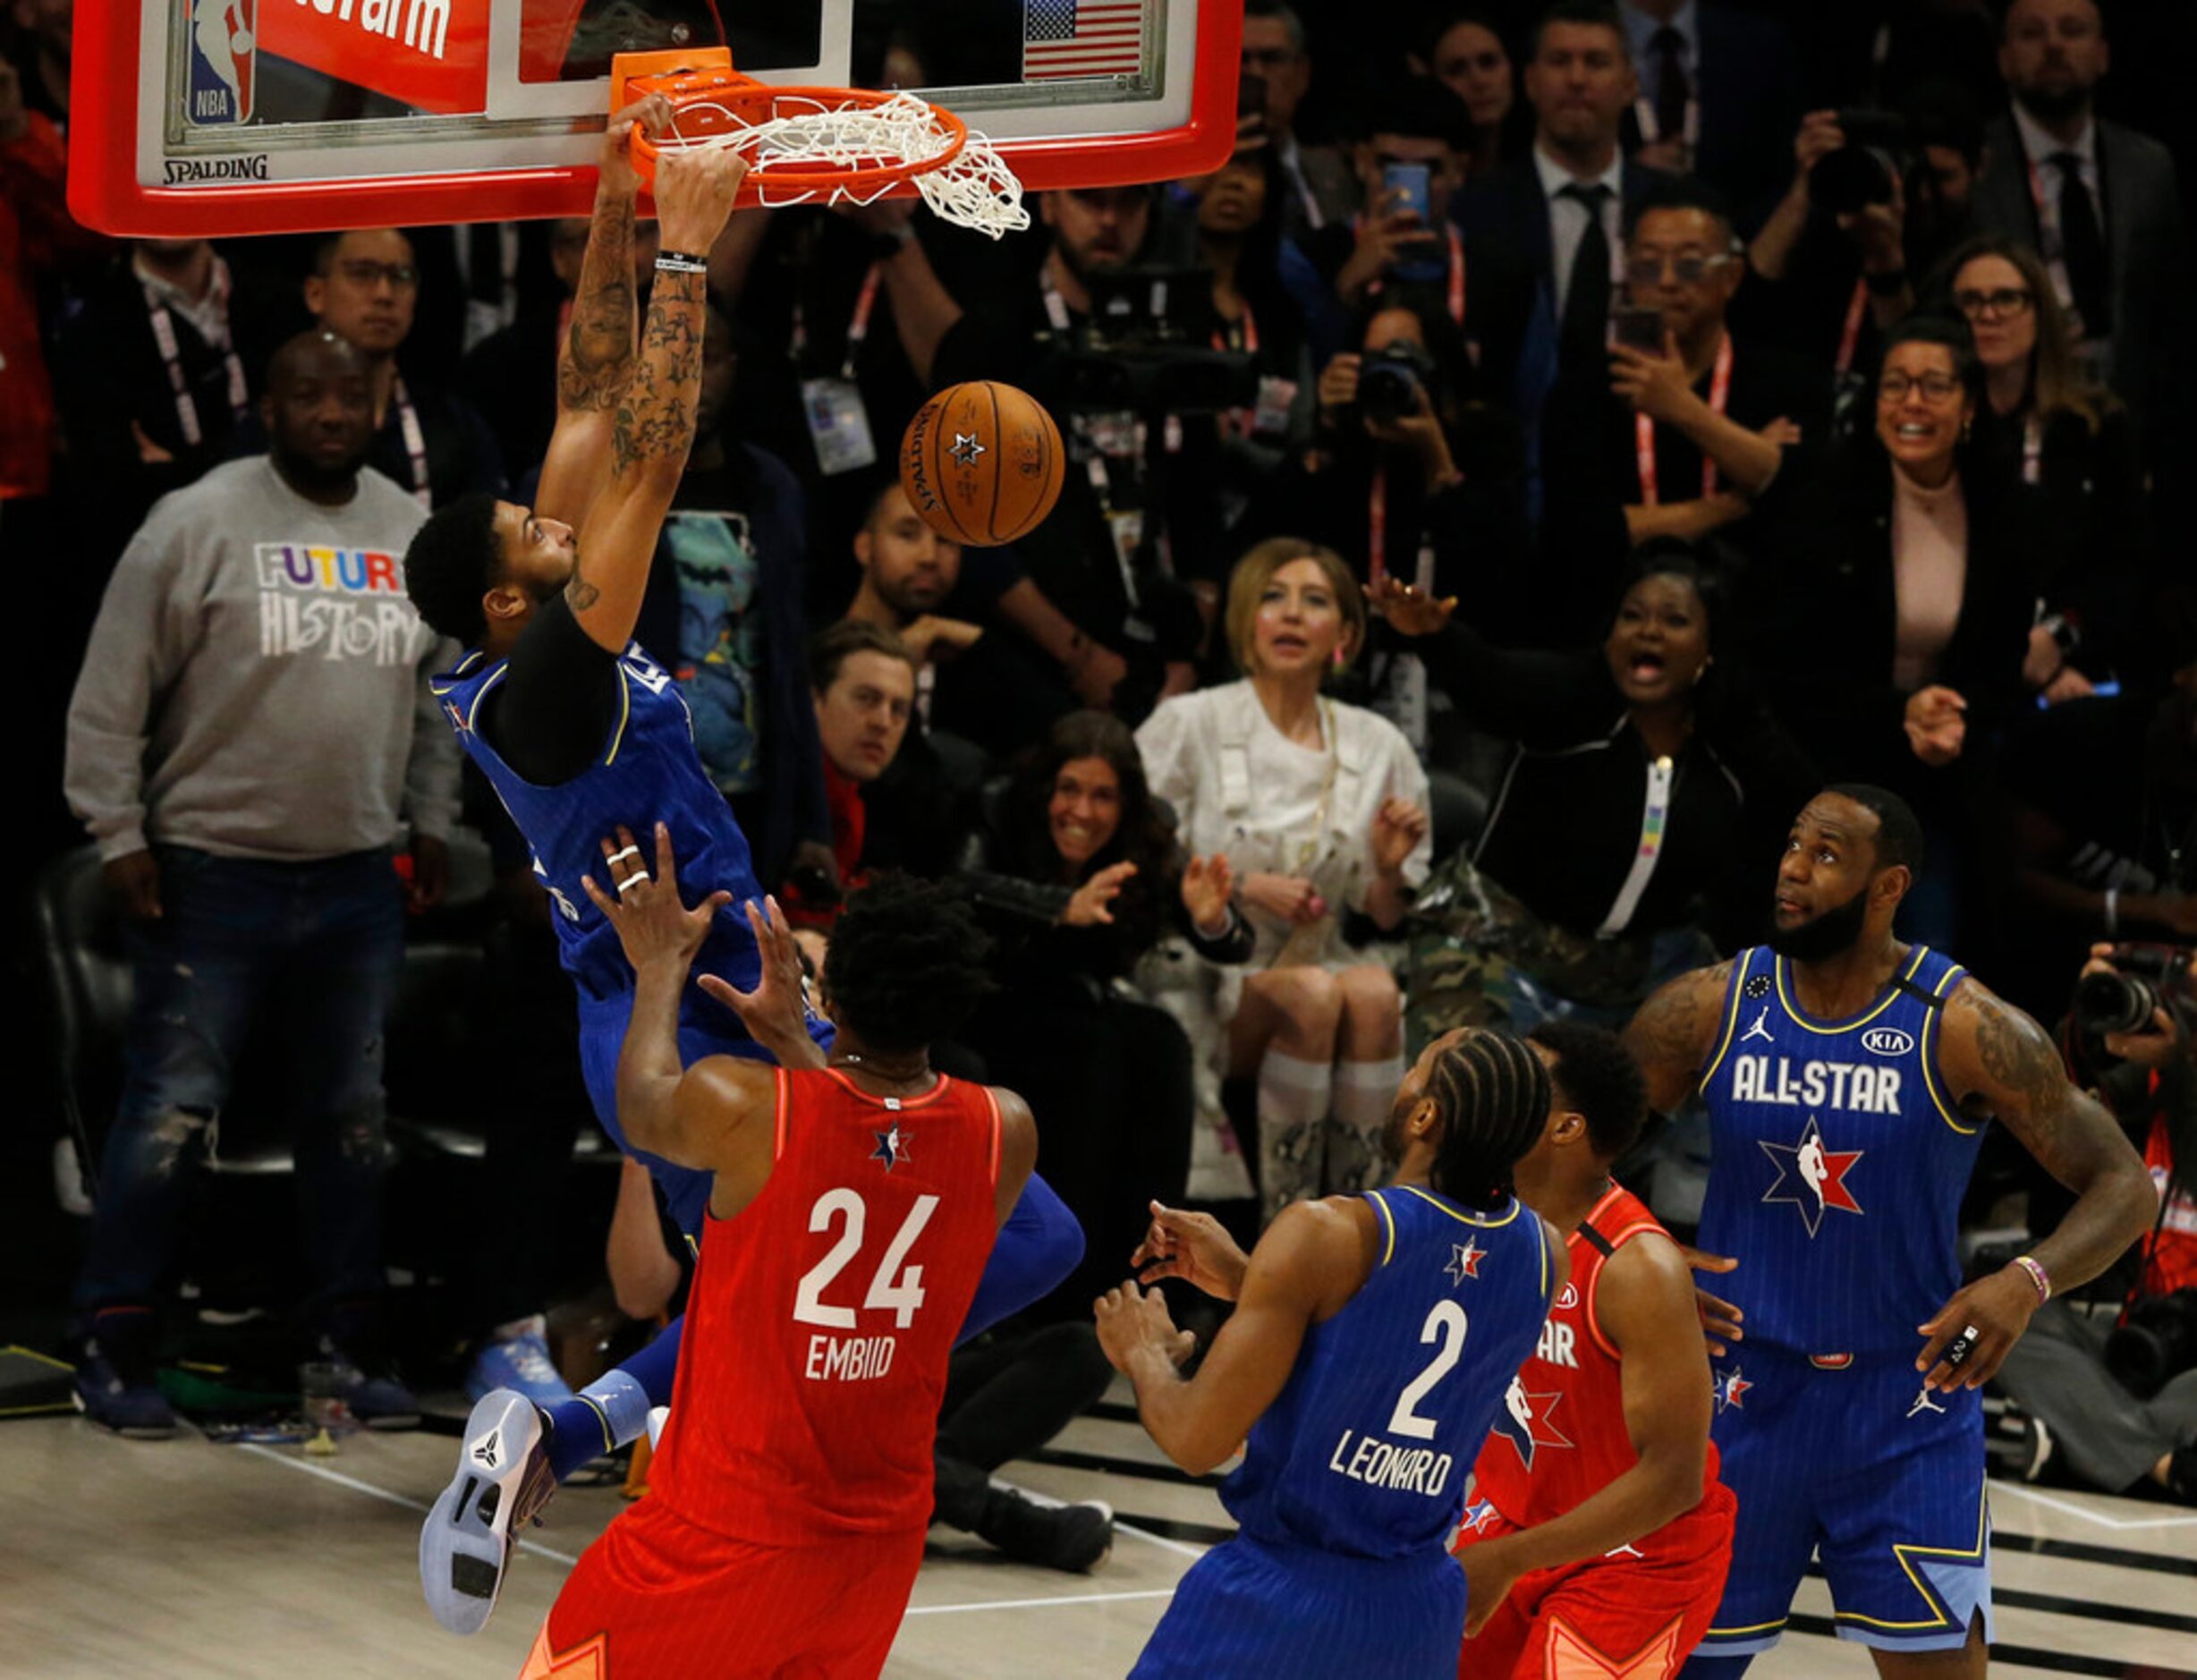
pixel 1081 37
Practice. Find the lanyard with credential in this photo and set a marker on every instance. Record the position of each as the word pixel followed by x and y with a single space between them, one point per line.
pixel 1850 335
pixel 1655 815
pixel 415 442
pixel 1644 430
pixel 1240 423
pixel 171 358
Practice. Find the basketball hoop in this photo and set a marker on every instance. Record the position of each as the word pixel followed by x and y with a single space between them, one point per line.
pixel 827 145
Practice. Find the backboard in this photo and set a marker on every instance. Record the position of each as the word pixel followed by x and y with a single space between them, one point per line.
pixel 211 117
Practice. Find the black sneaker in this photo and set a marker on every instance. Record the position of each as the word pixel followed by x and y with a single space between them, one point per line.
pixel 117 1379
pixel 1074 1537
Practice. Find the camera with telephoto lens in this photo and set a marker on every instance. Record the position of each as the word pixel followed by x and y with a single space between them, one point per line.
pixel 1878 151
pixel 2156 1343
pixel 1389 381
pixel 1146 346
pixel 2143 980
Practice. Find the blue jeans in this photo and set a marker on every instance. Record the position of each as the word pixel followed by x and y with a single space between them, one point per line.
pixel 310 949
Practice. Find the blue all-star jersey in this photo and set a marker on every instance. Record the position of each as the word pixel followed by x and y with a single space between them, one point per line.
pixel 1838 1160
pixel 648 772
pixel 1368 1448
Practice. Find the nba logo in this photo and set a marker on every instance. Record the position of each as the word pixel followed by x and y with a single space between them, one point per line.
pixel 224 34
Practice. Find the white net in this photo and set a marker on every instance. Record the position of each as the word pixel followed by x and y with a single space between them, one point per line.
pixel 976 189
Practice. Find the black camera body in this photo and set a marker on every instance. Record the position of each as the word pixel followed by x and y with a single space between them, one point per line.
pixel 1879 150
pixel 2155 1343
pixel 2143 980
pixel 1147 347
pixel 1390 379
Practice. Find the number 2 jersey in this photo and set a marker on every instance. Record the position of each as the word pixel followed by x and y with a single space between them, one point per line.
pixel 823 1313
pixel 1838 1161
pixel 1368 1448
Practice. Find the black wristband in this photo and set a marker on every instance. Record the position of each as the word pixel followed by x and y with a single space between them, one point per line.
pixel 681 262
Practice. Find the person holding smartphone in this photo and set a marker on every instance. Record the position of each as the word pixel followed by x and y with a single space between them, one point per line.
pixel 1409 153
pixel 1687 419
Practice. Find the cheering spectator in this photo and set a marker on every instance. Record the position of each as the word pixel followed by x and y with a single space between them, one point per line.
pixel 2097 200
pixel 251 726
pixel 364 287
pixel 1901 609
pixel 1080 878
pixel 1611 847
pixel 1720 91
pixel 1321 809
pixel 1673 437
pixel 1465 51
pixel 2061 446
pixel 1319 192
pixel 156 373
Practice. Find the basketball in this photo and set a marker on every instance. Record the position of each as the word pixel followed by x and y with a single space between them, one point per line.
pixel 982 463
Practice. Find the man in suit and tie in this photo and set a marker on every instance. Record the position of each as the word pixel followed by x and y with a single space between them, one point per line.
pixel 1542 238
pixel 1720 91
pixel 1322 192
pixel 2100 201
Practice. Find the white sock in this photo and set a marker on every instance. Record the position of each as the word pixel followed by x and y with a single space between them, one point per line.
pixel 1294 1098
pixel 1365 1094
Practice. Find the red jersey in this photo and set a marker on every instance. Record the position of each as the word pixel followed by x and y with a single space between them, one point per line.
pixel 822 1315
pixel 1563 1434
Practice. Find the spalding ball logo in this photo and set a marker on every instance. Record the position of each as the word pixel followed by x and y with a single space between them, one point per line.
pixel 1886 1041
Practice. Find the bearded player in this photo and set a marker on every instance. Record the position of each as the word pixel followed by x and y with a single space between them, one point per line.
pixel 1600 1536
pixel 579 731
pixel 1372 1339
pixel 853 1203
pixel 1850 1421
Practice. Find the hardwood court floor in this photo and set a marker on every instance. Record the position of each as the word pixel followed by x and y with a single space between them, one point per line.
pixel 187 1560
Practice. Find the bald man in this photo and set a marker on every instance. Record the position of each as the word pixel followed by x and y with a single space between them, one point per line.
pixel 244 746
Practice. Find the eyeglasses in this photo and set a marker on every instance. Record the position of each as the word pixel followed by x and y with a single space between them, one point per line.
pixel 362 271
pixel 1937 387
pixel 2004 301
pixel 1688 268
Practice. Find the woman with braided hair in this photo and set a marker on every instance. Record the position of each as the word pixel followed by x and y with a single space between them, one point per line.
pixel 1373 1340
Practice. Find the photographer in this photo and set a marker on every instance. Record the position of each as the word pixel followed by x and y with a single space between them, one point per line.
pixel 2117 1395
pixel 1406 476
pixel 1137 527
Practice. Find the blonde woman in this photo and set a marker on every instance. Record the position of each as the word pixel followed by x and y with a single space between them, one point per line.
pixel 1321 809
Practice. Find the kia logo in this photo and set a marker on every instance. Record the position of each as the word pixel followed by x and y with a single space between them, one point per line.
pixel 1886 1041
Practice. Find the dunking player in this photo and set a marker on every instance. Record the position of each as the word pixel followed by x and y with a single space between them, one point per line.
pixel 853 1204
pixel 579 731
pixel 1600 1535
pixel 1848 1078
pixel 1370 1345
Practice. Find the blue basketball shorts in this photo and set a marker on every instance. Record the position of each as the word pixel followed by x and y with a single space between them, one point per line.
pixel 602 1037
pixel 1857 1465
pixel 1276 1611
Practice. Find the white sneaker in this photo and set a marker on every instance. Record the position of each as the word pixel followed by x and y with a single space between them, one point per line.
pixel 502 1481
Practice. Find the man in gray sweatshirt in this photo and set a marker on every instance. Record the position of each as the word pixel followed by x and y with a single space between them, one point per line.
pixel 251 732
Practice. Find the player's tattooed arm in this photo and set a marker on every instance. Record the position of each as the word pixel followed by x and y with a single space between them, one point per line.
pixel 596 354
pixel 1997 1061
pixel 1675 1032
pixel 655 410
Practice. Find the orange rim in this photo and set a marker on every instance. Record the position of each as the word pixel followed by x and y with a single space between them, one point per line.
pixel 743 96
